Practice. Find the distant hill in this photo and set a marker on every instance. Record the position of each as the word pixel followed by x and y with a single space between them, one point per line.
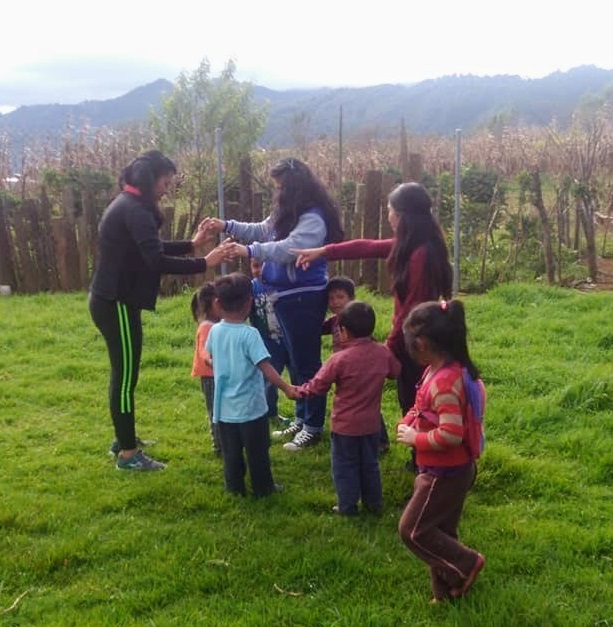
pixel 437 106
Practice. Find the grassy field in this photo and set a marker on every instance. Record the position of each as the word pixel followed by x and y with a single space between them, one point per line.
pixel 84 544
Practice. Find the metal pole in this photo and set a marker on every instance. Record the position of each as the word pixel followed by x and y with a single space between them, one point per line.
pixel 456 215
pixel 340 154
pixel 220 198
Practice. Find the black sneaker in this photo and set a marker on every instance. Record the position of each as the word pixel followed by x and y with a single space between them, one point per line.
pixel 115 446
pixel 138 461
pixel 291 431
pixel 304 439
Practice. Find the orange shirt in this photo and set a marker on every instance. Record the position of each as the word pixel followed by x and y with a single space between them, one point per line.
pixel 200 368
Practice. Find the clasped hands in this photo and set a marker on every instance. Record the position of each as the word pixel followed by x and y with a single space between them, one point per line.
pixel 227 250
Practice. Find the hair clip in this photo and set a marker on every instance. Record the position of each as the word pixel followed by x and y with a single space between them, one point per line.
pixel 290 164
pixel 444 305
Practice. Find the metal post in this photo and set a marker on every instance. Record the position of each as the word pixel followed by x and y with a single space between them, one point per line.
pixel 340 154
pixel 456 215
pixel 220 197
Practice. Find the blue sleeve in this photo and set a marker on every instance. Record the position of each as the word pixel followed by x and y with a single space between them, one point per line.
pixel 255 347
pixel 310 232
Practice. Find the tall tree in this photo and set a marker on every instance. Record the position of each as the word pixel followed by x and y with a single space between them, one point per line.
pixel 186 127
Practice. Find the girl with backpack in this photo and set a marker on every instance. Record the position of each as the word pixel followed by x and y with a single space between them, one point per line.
pixel 444 426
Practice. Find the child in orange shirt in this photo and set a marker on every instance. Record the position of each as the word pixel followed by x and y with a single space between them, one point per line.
pixel 204 312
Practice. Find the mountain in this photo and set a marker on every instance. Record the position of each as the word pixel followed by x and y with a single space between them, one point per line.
pixel 29 124
pixel 437 106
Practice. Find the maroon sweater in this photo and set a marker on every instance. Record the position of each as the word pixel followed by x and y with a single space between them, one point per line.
pixel 358 372
pixel 418 288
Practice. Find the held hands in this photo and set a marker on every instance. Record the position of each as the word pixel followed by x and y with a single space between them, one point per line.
pixel 220 253
pixel 211 226
pixel 207 230
pixel 293 392
pixel 406 435
pixel 307 256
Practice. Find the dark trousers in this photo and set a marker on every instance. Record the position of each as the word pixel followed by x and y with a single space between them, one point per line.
pixel 279 360
pixel 410 374
pixel 121 327
pixel 300 317
pixel 208 390
pixel 355 471
pixel 251 438
pixel 429 528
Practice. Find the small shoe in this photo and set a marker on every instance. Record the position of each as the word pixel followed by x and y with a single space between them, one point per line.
pixel 138 461
pixel 282 421
pixel 289 432
pixel 116 447
pixel 461 591
pixel 303 439
pixel 339 512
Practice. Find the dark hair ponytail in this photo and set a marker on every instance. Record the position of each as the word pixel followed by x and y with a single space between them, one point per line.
pixel 143 172
pixel 444 325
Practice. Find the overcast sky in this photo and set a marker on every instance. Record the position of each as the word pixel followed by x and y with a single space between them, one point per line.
pixel 67 51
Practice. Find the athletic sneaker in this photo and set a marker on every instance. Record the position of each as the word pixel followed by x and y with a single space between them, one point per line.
pixel 290 432
pixel 302 440
pixel 115 447
pixel 138 461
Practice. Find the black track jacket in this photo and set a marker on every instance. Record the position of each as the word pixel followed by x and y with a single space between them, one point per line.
pixel 132 257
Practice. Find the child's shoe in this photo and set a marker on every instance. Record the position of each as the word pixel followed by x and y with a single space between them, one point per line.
pixel 463 589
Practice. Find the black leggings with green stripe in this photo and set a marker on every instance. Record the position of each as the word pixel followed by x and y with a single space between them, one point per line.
pixel 121 327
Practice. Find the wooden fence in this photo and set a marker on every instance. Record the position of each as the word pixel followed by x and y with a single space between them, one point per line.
pixel 44 252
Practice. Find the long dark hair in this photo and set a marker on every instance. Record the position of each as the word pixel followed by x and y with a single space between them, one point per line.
pixel 300 190
pixel 417 227
pixel 143 172
pixel 444 325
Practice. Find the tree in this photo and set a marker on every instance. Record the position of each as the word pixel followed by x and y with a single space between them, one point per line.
pixel 186 127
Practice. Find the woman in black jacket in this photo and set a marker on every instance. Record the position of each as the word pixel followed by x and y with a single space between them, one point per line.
pixel 131 259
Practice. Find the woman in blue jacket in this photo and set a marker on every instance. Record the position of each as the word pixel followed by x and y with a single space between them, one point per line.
pixel 130 260
pixel 304 216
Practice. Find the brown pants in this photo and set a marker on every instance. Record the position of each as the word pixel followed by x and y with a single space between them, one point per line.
pixel 429 528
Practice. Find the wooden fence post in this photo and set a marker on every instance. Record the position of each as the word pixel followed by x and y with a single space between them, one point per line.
pixel 353 230
pixel 387 184
pixel 35 240
pixel 26 275
pixel 67 253
pixel 372 223
pixel 245 190
pixel 49 256
pixel 7 250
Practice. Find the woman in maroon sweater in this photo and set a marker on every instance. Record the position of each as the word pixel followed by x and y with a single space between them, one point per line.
pixel 418 263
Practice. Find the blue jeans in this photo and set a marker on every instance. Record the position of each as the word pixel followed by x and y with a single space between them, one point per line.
pixel 279 360
pixel 301 317
pixel 356 473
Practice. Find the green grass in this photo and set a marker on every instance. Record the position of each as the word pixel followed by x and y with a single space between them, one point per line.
pixel 83 544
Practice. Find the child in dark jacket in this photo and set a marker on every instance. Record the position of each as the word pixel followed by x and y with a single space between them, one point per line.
pixel 358 371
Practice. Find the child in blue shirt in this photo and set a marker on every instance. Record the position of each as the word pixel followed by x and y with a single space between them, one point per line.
pixel 240 363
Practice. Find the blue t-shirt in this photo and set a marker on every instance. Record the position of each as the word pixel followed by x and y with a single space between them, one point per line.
pixel 236 349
